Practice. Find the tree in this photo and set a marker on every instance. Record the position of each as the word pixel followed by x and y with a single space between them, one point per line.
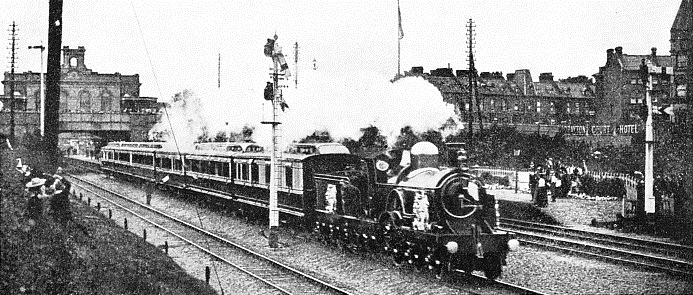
pixel 406 138
pixel 247 133
pixel 372 138
pixel 221 137
pixel 318 136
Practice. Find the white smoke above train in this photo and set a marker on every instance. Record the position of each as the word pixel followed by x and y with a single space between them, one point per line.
pixel 339 104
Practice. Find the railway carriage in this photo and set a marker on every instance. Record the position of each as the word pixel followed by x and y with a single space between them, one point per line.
pixel 427 215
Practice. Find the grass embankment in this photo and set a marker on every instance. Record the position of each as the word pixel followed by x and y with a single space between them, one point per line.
pixel 90 255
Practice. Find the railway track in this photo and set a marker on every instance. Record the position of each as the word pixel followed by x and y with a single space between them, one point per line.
pixel 667 257
pixel 275 275
pixel 480 285
pixel 500 287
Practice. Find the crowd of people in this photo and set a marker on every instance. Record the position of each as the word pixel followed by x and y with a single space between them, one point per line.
pixel 553 180
pixel 45 193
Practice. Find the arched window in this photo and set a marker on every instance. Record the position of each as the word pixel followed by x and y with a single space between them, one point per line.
pixel 37 100
pixel 106 101
pixel 85 100
pixel 73 61
pixel 63 101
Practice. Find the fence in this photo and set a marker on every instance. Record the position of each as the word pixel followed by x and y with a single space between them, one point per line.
pixel 630 181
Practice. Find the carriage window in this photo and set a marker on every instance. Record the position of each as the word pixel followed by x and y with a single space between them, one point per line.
pixel 225 169
pixel 195 166
pixel 204 167
pixel 268 171
pixel 288 176
pixel 244 171
pixel 166 163
pixel 177 164
pixel 254 173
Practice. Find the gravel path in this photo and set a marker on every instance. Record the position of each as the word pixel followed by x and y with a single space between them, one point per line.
pixel 537 269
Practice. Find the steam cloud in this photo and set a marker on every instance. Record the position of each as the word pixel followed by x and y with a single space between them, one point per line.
pixel 341 105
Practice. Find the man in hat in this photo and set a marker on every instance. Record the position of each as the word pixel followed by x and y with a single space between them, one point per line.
pixel 60 200
pixel 36 190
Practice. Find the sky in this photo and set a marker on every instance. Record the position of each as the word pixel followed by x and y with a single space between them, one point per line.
pixel 175 45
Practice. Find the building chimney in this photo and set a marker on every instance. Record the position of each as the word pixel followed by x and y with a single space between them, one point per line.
pixel 619 51
pixel 546 77
pixel 610 56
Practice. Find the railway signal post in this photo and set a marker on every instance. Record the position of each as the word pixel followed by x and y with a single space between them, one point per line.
pixel 273 94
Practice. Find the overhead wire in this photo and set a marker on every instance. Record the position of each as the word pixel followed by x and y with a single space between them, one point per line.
pixel 173 134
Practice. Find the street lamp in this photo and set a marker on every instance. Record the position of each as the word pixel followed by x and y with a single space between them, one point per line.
pixel 41 92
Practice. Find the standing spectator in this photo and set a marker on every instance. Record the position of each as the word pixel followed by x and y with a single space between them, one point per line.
pixel 532 181
pixel 565 183
pixel 549 163
pixel 541 191
pixel 60 201
pixel 555 186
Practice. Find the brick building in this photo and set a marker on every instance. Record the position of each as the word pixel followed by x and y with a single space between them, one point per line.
pixel 682 51
pixel 620 87
pixel 610 105
pixel 619 82
pixel 516 98
pixel 94 107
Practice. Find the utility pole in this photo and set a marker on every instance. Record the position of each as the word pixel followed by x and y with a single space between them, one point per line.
pixel 296 64
pixel 219 72
pixel 13 60
pixel 473 96
pixel 400 35
pixel 41 91
pixel 52 105
pixel 649 150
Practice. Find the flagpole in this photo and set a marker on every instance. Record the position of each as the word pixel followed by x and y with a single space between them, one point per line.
pixel 399 37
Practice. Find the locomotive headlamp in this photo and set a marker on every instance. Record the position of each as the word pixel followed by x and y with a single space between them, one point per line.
pixel 382 165
pixel 452 247
pixel 513 244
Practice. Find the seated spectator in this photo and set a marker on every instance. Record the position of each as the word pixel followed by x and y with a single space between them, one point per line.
pixel 36 191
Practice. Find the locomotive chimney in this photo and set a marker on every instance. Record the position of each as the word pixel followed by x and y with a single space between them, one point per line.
pixel 457 155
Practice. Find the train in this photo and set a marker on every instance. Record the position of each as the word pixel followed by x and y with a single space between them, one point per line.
pixel 431 215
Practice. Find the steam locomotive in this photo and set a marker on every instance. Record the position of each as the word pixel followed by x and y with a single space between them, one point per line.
pixel 427 215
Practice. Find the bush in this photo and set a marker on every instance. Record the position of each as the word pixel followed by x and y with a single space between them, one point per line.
pixel 609 187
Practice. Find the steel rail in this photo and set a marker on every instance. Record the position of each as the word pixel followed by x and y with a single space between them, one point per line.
pixel 592 248
pixel 323 286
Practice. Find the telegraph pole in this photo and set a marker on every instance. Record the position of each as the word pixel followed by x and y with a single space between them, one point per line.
pixel 41 91
pixel 473 97
pixel 296 64
pixel 52 105
pixel 219 72
pixel 13 59
pixel 649 150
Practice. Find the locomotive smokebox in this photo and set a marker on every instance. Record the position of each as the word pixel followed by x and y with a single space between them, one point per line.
pixel 424 154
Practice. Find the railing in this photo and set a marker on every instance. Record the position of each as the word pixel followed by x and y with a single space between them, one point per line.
pixel 630 181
